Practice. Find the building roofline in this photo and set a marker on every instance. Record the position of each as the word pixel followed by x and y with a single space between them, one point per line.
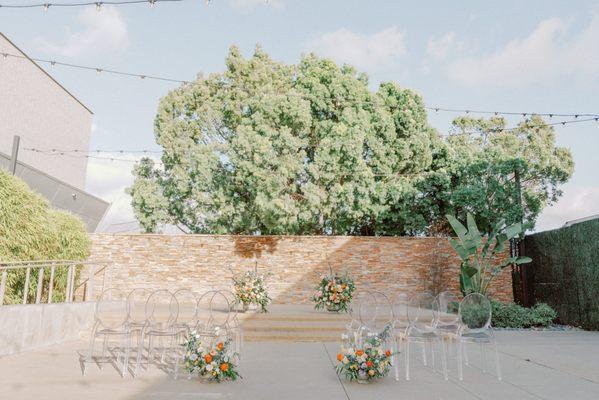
pixel 46 73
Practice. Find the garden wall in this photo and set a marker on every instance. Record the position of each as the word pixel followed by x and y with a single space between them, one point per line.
pixel 202 262
pixel 564 272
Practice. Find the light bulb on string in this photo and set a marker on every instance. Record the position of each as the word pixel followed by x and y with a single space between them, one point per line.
pixel 46 6
pixel 152 3
pixel 98 71
pixel 98 6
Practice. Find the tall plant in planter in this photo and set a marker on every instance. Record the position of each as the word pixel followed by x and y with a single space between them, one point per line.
pixel 479 252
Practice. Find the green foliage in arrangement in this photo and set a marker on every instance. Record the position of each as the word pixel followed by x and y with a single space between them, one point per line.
pixel 479 252
pixel 565 272
pixel 30 230
pixel 512 315
pixel 271 148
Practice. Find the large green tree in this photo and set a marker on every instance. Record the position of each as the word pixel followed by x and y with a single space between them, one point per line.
pixel 270 148
pixel 495 172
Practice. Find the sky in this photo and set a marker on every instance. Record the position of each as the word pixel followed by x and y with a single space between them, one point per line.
pixel 533 56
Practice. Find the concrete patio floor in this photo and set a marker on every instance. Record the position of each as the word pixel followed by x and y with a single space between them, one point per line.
pixel 536 365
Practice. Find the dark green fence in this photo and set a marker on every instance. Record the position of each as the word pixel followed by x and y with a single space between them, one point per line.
pixel 564 272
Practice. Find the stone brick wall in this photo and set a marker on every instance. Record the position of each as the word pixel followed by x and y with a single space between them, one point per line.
pixel 203 262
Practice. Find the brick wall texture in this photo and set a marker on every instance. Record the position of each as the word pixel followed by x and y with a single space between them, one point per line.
pixel 295 263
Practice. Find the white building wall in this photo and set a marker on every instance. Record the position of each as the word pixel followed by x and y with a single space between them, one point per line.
pixel 44 115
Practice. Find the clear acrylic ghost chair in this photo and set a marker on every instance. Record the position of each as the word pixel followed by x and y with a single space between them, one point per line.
pixel 400 326
pixel 187 317
pixel 162 310
pixel 354 329
pixel 214 311
pixel 203 311
pixel 446 305
pixel 475 328
pixel 136 312
pixel 111 320
pixel 422 318
pixel 376 312
pixel 233 323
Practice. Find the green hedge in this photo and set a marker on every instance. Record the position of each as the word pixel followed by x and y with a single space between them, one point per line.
pixel 30 230
pixel 564 272
pixel 511 315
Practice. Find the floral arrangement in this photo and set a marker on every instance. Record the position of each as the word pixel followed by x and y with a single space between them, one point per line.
pixel 213 363
pixel 250 288
pixel 367 361
pixel 334 292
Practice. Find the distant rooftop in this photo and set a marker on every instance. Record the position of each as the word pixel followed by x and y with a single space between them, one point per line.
pixel 579 220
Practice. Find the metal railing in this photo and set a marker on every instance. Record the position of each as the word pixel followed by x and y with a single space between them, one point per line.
pixel 72 267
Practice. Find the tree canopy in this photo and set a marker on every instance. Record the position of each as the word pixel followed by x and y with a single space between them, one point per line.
pixel 270 148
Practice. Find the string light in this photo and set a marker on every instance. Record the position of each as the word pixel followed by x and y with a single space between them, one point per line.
pixel 513 113
pixel 96 69
pixel 97 4
pixel 145 151
pixel 98 151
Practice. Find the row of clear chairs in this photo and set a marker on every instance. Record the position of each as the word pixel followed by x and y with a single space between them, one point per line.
pixel 161 318
pixel 427 320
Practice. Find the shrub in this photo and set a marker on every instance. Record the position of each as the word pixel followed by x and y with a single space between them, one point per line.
pixel 512 315
pixel 30 230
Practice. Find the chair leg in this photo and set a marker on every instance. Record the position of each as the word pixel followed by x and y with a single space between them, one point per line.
pixel 466 361
pixel 150 343
pixel 396 357
pixel 91 351
pixel 407 360
pixel 432 348
pixel 104 349
pixel 444 359
pixel 140 348
pixel 497 365
pixel 424 353
pixel 126 354
pixel 460 366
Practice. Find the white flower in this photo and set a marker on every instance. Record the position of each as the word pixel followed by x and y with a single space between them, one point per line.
pixel 209 367
pixel 193 357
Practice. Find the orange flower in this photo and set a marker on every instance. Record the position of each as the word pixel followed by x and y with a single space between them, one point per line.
pixel 359 352
pixel 340 357
pixel 388 353
pixel 208 358
pixel 224 367
pixel 219 346
pixel 369 363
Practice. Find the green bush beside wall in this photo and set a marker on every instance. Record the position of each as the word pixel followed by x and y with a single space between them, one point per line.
pixel 30 230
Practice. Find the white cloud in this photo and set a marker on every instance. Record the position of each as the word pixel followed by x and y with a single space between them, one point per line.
pixel 440 48
pixel 101 31
pixel 577 202
pixel 551 51
pixel 378 51
pixel 108 180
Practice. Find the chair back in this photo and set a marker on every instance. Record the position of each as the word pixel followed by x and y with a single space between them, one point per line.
pixel 111 309
pixel 421 312
pixel 376 311
pixel 162 309
pixel 188 307
pixel 475 312
pixel 400 310
pixel 446 307
pixel 220 310
pixel 136 305
pixel 233 304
